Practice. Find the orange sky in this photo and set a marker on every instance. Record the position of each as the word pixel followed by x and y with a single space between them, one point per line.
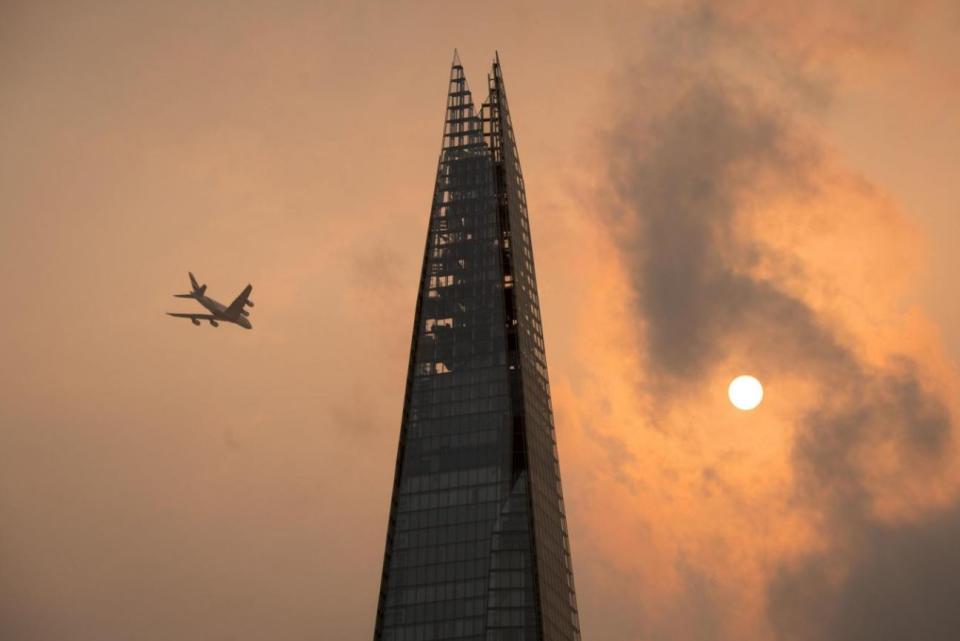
pixel 713 188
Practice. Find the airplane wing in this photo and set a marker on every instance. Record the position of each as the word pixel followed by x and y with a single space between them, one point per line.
pixel 237 305
pixel 193 316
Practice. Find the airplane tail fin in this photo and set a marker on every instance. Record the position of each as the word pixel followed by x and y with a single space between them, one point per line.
pixel 198 290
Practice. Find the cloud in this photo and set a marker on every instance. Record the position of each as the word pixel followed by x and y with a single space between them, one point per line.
pixel 705 143
pixel 900 583
pixel 681 183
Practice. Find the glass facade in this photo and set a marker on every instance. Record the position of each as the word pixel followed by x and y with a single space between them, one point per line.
pixel 477 546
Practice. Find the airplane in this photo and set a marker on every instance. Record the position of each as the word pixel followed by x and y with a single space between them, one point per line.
pixel 235 313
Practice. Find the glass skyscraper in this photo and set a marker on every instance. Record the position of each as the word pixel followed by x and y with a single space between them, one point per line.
pixel 477 546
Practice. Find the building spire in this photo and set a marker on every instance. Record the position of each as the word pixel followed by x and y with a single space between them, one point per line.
pixel 462 126
pixel 477 545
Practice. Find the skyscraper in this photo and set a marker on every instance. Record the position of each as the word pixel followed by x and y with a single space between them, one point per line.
pixel 477 546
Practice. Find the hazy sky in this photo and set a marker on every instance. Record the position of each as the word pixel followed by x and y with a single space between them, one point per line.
pixel 714 188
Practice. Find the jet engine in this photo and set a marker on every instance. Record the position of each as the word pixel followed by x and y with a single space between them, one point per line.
pixel 214 323
pixel 244 312
pixel 195 321
pixel 249 303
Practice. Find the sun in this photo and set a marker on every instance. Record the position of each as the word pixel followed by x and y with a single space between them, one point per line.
pixel 745 392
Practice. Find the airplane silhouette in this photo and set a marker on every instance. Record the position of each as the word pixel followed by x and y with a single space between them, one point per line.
pixel 234 313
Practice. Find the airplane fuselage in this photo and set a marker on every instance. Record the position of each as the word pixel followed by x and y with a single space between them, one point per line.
pixel 217 309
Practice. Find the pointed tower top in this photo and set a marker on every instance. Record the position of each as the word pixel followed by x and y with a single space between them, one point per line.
pixel 462 128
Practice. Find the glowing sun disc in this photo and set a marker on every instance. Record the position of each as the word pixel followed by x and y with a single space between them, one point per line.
pixel 745 392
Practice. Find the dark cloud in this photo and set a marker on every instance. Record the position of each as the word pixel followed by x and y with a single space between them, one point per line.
pixel 876 581
pixel 685 178
pixel 880 408
pixel 900 583
pixel 695 147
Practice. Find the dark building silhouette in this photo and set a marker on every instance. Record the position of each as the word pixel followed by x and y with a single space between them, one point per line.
pixel 477 546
